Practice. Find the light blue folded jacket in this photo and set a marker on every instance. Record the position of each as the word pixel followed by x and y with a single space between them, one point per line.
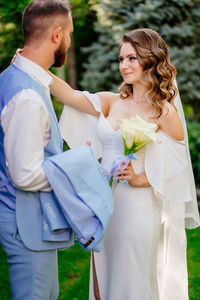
pixel 81 201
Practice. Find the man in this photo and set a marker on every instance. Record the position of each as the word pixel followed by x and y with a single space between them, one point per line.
pixel 28 133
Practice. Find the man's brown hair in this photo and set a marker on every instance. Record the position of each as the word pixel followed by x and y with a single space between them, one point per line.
pixel 40 15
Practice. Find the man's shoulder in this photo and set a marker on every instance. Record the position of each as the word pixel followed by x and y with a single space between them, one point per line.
pixel 13 76
pixel 13 70
pixel 12 81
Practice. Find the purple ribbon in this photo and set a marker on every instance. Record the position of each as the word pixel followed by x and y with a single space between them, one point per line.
pixel 120 164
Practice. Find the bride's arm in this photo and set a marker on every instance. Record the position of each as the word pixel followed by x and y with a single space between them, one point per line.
pixel 170 123
pixel 64 93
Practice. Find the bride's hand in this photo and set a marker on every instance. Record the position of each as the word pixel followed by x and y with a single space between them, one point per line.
pixel 19 50
pixel 128 174
pixel 139 180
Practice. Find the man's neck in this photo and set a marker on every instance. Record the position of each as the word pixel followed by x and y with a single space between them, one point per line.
pixel 39 56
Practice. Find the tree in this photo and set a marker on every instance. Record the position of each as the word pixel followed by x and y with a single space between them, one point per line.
pixel 176 21
pixel 84 18
pixel 11 34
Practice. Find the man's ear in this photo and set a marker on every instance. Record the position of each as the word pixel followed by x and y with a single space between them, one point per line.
pixel 56 35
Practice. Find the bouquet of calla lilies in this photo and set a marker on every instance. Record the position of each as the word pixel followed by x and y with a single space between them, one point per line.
pixel 136 133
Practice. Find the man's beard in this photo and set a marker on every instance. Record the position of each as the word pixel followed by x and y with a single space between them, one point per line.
pixel 60 56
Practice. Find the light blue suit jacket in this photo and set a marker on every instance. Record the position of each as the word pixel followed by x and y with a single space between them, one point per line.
pixel 82 196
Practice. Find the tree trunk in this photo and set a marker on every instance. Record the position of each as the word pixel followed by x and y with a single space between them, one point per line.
pixel 71 67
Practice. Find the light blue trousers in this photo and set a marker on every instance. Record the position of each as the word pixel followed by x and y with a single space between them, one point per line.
pixel 33 274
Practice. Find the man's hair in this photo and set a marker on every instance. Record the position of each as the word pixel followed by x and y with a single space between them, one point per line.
pixel 40 15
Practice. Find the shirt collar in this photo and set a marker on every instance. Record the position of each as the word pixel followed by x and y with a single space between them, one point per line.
pixel 34 70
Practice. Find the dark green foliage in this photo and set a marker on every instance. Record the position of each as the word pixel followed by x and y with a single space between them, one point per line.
pixel 194 140
pixel 11 35
pixel 176 21
pixel 58 106
pixel 83 19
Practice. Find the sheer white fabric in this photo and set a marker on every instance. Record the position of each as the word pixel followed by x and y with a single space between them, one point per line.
pixel 77 127
pixel 167 171
pixel 191 208
pixel 167 166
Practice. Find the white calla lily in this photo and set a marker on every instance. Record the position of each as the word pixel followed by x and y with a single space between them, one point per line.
pixel 137 133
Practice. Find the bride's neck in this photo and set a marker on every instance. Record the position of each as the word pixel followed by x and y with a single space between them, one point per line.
pixel 139 91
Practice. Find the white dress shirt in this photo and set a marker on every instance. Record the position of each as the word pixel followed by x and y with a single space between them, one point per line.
pixel 26 126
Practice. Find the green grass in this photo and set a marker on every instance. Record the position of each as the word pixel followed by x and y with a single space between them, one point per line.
pixel 193 259
pixel 73 267
pixel 4 285
pixel 74 271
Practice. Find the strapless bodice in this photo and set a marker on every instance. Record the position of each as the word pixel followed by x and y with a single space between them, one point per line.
pixel 113 146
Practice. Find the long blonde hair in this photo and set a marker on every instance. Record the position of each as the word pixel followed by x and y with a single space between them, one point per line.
pixel 158 72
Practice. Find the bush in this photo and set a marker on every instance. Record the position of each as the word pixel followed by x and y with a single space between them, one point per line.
pixel 176 21
pixel 194 141
pixel 11 34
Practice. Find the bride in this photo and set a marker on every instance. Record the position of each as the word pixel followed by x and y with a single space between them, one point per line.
pixel 144 251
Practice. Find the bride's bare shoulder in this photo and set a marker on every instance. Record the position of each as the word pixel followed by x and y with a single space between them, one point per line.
pixel 107 100
pixel 170 123
pixel 109 96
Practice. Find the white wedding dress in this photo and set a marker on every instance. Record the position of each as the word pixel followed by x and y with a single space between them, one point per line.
pixel 144 251
pixel 126 265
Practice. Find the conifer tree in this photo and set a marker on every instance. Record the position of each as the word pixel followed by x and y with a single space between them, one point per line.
pixel 176 21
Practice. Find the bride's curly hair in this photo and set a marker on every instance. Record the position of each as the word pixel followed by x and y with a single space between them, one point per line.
pixel 158 72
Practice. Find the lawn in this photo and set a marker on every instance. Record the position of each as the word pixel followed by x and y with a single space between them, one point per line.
pixel 74 271
pixel 193 256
